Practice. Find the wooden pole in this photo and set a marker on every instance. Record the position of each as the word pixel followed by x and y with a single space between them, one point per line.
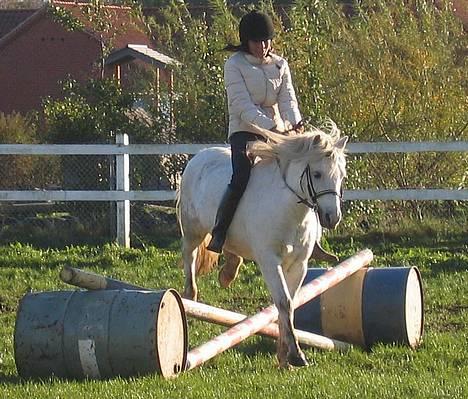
pixel 157 89
pixel 117 73
pixel 171 100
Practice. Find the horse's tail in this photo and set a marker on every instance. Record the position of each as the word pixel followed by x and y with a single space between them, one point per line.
pixel 178 211
pixel 206 260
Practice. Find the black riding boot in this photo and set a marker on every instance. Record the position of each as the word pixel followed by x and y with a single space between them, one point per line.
pixel 224 216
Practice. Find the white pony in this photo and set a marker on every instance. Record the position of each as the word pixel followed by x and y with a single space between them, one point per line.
pixel 275 225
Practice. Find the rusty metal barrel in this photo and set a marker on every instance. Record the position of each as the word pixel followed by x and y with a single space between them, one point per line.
pixel 374 305
pixel 100 334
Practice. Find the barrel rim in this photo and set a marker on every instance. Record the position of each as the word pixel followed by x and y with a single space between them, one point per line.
pixel 183 315
pixel 421 292
pixel 15 335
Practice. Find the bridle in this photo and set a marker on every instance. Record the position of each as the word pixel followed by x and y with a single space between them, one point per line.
pixel 314 195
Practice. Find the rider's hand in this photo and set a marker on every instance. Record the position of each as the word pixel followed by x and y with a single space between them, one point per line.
pixel 299 127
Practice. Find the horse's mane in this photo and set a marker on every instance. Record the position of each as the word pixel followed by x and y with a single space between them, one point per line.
pixel 311 145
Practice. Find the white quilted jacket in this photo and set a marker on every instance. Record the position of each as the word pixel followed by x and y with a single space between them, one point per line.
pixel 259 93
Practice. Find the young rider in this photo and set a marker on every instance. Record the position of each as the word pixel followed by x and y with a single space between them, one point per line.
pixel 259 92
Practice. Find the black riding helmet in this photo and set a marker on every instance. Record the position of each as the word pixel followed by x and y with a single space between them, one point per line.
pixel 255 26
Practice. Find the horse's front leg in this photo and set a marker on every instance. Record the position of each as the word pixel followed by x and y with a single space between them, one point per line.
pixel 288 347
pixel 189 257
pixel 294 276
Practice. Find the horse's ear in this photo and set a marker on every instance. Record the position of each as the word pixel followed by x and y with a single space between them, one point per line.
pixel 317 139
pixel 341 143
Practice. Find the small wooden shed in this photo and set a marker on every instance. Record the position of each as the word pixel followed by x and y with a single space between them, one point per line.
pixel 131 52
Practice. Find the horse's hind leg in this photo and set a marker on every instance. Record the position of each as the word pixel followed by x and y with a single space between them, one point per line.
pixel 230 269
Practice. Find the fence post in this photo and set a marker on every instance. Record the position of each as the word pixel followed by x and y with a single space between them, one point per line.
pixel 122 183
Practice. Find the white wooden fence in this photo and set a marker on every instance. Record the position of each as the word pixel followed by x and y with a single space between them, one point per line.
pixel 123 195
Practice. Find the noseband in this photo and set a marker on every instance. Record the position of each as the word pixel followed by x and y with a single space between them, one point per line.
pixel 314 195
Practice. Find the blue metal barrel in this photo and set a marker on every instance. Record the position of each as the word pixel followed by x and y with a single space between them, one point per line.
pixel 308 317
pixel 393 306
pixel 373 305
pixel 100 334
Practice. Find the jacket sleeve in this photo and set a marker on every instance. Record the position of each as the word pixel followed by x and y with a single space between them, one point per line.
pixel 287 102
pixel 239 101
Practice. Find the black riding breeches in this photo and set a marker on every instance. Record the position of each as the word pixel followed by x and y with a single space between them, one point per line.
pixel 241 166
pixel 241 163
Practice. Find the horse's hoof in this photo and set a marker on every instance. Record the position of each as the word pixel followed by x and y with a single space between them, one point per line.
pixel 284 365
pixel 298 360
pixel 225 279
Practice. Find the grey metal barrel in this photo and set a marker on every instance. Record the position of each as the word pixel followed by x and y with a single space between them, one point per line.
pixel 100 334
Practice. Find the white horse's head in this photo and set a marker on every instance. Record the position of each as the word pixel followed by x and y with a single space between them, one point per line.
pixel 318 159
pixel 323 178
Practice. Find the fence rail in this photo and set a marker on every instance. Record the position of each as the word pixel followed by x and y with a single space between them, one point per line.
pixel 123 194
pixel 123 149
pixel 162 149
pixel 167 195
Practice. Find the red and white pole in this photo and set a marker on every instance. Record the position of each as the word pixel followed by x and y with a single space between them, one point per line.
pixel 253 324
pixel 228 318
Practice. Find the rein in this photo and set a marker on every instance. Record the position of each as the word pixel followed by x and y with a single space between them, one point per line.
pixel 313 194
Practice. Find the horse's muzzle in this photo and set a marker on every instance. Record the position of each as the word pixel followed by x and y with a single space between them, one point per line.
pixel 329 220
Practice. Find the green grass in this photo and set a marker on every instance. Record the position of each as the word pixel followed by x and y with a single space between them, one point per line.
pixel 438 369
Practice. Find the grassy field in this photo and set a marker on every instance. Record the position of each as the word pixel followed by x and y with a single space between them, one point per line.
pixel 438 369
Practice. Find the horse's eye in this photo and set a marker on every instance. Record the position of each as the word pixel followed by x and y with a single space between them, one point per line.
pixel 317 175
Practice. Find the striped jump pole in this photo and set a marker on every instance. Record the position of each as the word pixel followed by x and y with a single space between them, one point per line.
pixel 253 324
pixel 212 314
pixel 227 318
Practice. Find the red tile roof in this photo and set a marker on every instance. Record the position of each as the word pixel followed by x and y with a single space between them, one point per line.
pixel 10 19
pixel 123 26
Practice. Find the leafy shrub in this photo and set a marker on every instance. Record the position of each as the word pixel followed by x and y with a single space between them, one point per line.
pixel 17 129
pixel 393 73
pixel 199 104
pixel 92 112
pixel 301 41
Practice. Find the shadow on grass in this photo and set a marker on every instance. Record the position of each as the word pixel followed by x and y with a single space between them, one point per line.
pixel 456 264
pixel 264 346
pixel 403 239
pixel 9 379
